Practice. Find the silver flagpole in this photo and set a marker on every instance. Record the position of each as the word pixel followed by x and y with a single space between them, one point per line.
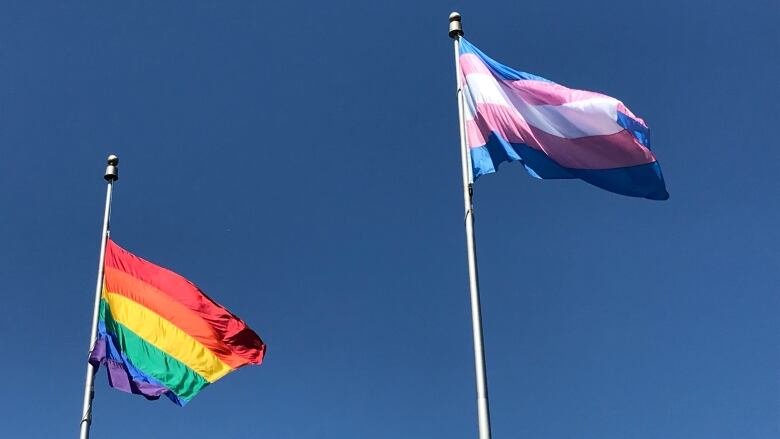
pixel 483 410
pixel 111 175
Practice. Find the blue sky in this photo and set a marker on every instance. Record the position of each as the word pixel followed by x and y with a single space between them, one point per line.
pixel 299 161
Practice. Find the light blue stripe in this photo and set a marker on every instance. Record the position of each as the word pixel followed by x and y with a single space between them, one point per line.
pixel 641 132
pixel 643 181
pixel 501 70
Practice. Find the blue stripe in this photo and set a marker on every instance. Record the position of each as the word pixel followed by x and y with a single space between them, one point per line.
pixel 641 132
pixel 501 70
pixel 113 353
pixel 644 181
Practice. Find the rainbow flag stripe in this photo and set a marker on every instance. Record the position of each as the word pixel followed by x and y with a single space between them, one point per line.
pixel 158 334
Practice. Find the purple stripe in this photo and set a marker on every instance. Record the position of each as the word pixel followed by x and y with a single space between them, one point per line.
pixel 119 374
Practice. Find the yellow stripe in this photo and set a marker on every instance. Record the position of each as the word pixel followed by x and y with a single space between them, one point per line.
pixel 165 336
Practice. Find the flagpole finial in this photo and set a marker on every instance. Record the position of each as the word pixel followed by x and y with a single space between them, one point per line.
pixel 112 170
pixel 456 28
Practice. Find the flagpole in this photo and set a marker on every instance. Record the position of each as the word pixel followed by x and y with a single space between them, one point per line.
pixel 483 410
pixel 111 175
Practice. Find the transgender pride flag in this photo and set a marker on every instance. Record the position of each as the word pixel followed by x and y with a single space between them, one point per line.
pixel 554 131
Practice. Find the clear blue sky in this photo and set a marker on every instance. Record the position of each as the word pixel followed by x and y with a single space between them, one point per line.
pixel 299 161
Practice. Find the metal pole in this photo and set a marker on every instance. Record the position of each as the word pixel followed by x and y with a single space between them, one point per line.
pixel 111 175
pixel 483 410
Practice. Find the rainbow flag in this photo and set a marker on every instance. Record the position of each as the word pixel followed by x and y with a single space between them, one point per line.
pixel 554 131
pixel 159 334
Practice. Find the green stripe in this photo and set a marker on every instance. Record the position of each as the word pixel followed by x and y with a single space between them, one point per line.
pixel 175 375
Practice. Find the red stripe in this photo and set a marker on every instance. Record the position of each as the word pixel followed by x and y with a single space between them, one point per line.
pixel 233 332
pixel 120 283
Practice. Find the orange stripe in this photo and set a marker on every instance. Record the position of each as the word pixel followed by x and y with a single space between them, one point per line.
pixel 228 328
pixel 121 283
pixel 166 337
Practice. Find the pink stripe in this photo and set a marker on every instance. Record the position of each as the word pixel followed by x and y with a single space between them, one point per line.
pixel 593 152
pixel 538 92
pixel 532 91
pixel 470 63
pixel 548 93
pixel 476 133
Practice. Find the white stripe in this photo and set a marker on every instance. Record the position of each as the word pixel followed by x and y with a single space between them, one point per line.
pixel 590 117
pixel 486 90
pixel 470 107
pixel 596 116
